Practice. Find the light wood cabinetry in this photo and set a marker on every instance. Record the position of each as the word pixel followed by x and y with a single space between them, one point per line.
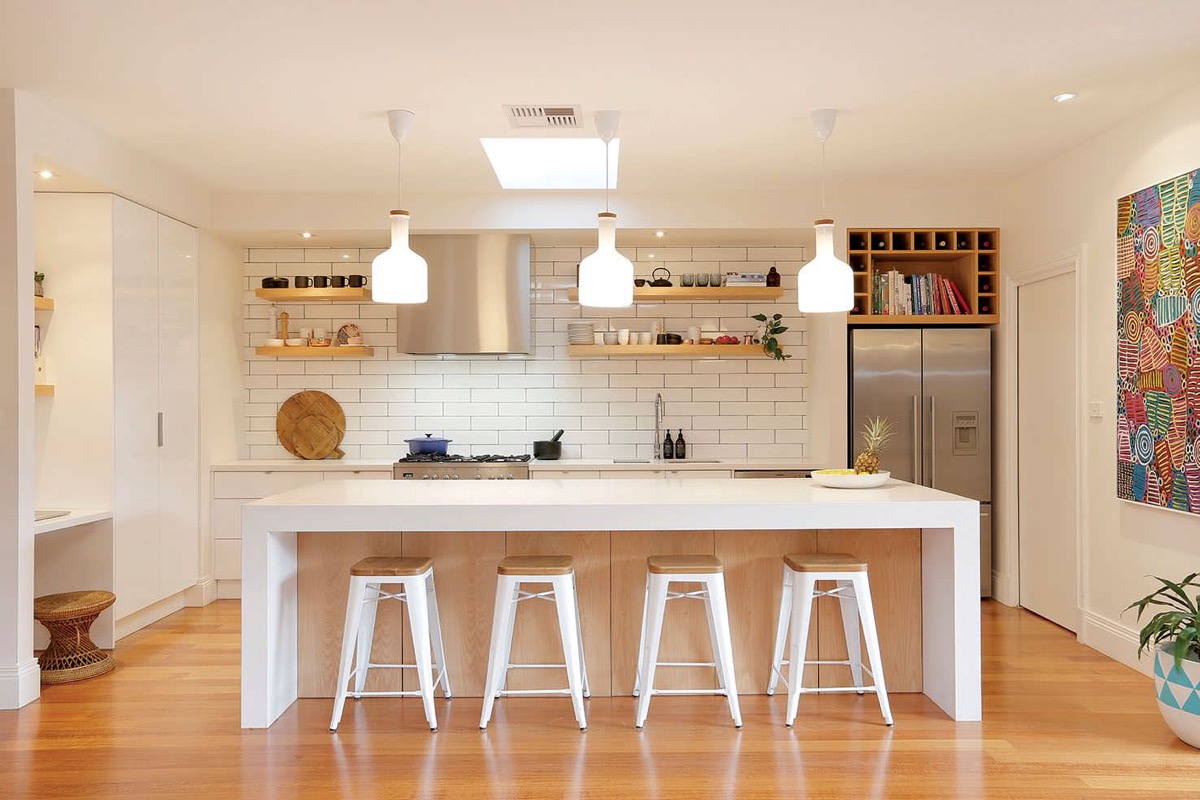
pixel 969 257
pixel 328 295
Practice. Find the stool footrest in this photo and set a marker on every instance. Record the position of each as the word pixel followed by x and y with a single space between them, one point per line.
pixel 720 692
pixel 537 666
pixel 837 690
pixel 357 695
pixel 686 663
pixel 533 692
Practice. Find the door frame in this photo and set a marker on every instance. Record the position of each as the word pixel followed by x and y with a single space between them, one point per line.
pixel 1070 264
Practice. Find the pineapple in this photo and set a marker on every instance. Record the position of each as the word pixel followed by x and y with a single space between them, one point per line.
pixel 875 434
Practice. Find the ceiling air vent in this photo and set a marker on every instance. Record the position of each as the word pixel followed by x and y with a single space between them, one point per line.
pixel 543 116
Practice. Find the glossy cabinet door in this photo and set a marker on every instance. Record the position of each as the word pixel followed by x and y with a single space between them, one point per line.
pixel 178 403
pixel 136 525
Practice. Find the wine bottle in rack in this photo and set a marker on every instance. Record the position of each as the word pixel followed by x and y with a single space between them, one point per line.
pixel 942 243
pixel 985 307
pixel 963 243
pixel 985 243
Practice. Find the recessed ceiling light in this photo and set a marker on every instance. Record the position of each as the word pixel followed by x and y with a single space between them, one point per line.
pixel 346 256
pixel 659 234
pixel 551 163
pixel 45 173
pixel 651 255
pixel 1065 97
pixel 306 235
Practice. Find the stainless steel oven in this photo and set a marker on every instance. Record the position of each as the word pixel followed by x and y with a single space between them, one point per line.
pixel 429 467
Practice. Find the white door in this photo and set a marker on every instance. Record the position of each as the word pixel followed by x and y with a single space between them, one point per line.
pixel 178 397
pixel 136 563
pixel 1047 441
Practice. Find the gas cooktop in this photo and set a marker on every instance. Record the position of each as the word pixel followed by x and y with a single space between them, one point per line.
pixel 438 458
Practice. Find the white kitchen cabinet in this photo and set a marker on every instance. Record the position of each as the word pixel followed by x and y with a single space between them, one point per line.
pixel 360 475
pixel 630 474
pixel 256 485
pixel 227 562
pixel 564 474
pixel 697 474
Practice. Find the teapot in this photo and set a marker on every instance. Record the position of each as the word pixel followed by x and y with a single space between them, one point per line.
pixel 657 281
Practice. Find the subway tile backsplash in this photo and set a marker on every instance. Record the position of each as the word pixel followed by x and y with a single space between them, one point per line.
pixel 728 407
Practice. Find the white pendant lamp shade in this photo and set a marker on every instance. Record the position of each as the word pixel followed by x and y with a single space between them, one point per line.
pixel 606 276
pixel 825 284
pixel 398 275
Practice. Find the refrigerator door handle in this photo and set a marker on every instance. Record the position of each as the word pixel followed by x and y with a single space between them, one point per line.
pixel 916 439
pixel 932 443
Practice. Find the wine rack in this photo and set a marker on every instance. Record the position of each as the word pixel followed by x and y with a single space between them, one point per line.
pixel 968 257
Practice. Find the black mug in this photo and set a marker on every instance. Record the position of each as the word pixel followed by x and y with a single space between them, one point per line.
pixel 321 281
pixel 303 282
pixel 338 281
pixel 358 281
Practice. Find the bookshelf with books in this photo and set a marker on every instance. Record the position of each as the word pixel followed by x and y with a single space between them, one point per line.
pixel 924 276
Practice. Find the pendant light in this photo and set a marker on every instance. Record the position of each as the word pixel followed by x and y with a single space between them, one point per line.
pixel 398 275
pixel 606 276
pixel 825 284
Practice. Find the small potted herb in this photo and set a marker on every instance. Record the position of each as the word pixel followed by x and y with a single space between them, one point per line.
pixel 771 328
pixel 38 291
pixel 1172 634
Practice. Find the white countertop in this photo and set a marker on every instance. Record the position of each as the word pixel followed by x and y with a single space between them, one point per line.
pixel 564 464
pixel 564 505
pixel 76 517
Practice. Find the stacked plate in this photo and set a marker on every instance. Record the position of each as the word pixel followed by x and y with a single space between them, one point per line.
pixel 580 333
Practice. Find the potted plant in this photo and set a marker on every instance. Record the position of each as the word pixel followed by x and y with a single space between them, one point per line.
pixel 38 277
pixel 1172 633
pixel 772 327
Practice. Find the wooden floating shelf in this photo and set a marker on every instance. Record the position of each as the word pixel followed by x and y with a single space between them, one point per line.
pixel 43 390
pixel 660 294
pixel 923 319
pixel 43 304
pixel 343 295
pixel 712 350
pixel 345 351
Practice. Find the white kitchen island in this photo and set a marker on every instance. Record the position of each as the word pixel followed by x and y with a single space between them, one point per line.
pixel 949 552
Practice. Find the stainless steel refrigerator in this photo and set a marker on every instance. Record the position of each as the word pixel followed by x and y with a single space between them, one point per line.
pixel 935 386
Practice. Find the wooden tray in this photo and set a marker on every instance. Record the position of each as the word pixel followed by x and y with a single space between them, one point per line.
pixel 311 425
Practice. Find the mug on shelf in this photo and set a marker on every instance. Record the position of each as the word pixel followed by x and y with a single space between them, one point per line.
pixel 358 281
pixel 303 282
pixel 623 336
pixel 338 281
pixel 321 281
pixel 645 337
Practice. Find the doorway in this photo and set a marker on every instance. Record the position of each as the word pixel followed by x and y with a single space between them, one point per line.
pixel 1047 444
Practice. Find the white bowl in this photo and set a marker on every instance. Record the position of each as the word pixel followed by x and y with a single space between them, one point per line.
pixel 839 479
pixel 296 342
pixel 273 343
pixel 610 337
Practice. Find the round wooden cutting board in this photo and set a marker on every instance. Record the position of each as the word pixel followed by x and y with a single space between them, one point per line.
pixel 311 425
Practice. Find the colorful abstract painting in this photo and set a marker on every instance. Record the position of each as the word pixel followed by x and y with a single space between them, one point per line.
pixel 1158 345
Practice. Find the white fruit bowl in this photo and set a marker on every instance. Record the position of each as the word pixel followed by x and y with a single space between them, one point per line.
pixel 846 479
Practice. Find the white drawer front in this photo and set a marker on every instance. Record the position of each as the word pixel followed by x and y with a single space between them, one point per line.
pixel 256 485
pixel 227 559
pixel 698 473
pixel 360 475
pixel 227 519
pixel 564 474
pixel 630 474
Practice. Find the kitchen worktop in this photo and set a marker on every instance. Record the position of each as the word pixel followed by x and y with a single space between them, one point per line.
pixel 341 512
pixel 564 464
pixel 73 518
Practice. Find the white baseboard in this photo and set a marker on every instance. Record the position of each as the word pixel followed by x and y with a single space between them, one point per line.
pixel 1118 642
pixel 152 613
pixel 20 683
pixel 229 590
pixel 1005 590
pixel 203 593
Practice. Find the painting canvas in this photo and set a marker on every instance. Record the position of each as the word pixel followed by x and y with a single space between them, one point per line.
pixel 1158 345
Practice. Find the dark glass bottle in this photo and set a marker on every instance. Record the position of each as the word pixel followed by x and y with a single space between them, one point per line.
pixel 680 446
pixel 668 447
pixel 773 277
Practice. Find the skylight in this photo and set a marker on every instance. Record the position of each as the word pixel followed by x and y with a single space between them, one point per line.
pixel 551 163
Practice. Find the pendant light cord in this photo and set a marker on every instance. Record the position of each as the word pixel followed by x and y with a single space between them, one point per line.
pixel 606 151
pixel 823 178
pixel 399 175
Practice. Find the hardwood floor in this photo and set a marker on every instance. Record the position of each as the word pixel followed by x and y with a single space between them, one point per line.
pixel 1062 722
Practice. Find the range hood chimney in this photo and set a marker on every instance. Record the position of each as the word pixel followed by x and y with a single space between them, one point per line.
pixel 478 296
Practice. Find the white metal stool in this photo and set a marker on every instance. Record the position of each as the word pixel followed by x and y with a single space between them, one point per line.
pixel 559 572
pixel 661 571
pixel 414 574
pixel 801 573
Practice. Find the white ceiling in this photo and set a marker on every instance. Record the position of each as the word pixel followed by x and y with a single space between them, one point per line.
pixel 271 96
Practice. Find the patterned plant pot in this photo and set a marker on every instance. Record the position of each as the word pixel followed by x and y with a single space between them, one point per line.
pixel 1178 693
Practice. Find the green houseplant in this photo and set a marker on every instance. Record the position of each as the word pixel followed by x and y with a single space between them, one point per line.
pixel 1172 636
pixel 772 327
pixel 38 277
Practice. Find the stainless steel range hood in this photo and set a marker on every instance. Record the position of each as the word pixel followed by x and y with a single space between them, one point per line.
pixel 478 296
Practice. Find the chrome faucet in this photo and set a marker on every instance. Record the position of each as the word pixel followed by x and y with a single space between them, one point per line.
pixel 660 415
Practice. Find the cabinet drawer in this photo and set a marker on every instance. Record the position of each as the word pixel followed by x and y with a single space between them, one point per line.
pixel 227 559
pixel 359 475
pixel 564 474
pixel 693 474
pixel 256 485
pixel 226 519
pixel 630 474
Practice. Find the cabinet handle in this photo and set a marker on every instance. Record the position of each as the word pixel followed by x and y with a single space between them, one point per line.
pixel 932 442
pixel 160 429
pixel 916 440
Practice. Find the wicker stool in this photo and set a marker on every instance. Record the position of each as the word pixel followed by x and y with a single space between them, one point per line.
pixel 71 654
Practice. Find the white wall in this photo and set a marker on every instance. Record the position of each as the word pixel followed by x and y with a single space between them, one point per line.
pixel 1050 213
pixel 729 407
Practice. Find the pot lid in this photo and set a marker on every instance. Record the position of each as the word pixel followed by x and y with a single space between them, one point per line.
pixel 429 437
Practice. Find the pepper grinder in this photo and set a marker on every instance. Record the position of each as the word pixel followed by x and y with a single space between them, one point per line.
pixel 283 331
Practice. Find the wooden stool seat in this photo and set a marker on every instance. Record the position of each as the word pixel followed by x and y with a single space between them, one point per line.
pixel 71 654
pixel 392 566
pixel 684 565
pixel 825 562
pixel 535 565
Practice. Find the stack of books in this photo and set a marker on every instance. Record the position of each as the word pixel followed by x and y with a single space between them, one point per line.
pixel 745 279
pixel 898 294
